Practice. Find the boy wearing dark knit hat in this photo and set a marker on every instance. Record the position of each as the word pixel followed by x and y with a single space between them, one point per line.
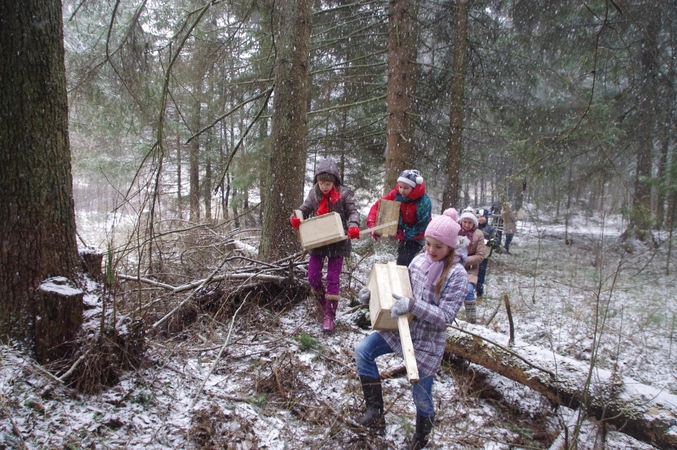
pixel 415 214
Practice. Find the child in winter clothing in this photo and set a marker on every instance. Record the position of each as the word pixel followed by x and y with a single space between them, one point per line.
pixel 438 282
pixel 490 242
pixel 415 213
pixel 329 195
pixel 468 221
pixel 509 225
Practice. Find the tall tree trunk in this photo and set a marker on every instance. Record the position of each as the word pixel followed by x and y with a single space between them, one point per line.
pixel 671 194
pixel 179 199
pixel 207 189
pixel 194 163
pixel 263 184
pixel 453 167
pixel 664 183
pixel 640 222
pixel 401 90
pixel 37 217
pixel 286 168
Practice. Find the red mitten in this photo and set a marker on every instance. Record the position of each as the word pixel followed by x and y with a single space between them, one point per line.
pixel 295 221
pixel 354 233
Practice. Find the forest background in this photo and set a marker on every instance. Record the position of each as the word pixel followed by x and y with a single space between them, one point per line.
pixel 567 105
pixel 193 121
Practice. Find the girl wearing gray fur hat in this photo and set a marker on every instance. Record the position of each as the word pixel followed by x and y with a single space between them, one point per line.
pixel 329 195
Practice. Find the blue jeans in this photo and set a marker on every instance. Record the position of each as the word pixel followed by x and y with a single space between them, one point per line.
pixel 471 292
pixel 373 346
pixel 508 240
pixel 481 276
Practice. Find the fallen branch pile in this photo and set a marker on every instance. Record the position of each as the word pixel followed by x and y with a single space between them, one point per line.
pixel 227 282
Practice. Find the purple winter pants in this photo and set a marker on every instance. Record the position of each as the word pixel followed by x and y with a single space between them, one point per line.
pixel 332 294
pixel 334 267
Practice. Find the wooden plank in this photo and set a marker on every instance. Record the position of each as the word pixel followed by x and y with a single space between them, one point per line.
pixel 407 349
pixel 403 325
pixel 377 227
pixel 388 212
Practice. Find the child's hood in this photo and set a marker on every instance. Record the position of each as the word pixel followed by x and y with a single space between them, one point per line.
pixel 329 166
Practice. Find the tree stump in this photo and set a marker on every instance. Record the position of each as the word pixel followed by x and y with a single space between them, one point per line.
pixel 91 263
pixel 58 318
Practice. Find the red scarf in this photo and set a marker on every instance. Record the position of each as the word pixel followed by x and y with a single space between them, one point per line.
pixel 333 196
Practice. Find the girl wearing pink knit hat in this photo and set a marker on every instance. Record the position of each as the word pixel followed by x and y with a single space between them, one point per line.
pixel 438 284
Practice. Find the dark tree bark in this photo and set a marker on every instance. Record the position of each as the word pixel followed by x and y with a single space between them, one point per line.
pixel 286 167
pixel 37 217
pixel 640 222
pixel 453 167
pixel 179 183
pixel 194 158
pixel 401 89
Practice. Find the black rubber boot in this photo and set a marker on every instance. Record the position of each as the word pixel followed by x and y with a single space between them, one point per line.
pixel 470 311
pixel 424 425
pixel 373 398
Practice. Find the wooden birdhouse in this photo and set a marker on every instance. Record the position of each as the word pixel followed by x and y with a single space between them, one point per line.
pixel 320 230
pixel 384 281
pixel 388 213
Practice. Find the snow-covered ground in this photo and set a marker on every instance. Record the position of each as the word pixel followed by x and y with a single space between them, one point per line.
pixel 270 379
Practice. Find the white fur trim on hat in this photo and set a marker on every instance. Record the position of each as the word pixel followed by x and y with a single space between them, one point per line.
pixel 468 215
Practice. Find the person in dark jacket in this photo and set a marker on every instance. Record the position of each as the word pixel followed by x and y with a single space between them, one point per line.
pixel 415 214
pixel 491 242
pixel 329 195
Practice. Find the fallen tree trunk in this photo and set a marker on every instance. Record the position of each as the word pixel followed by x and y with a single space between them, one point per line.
pixel 643 412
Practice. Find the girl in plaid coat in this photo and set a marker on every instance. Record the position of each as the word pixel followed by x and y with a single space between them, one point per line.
pixel 439 285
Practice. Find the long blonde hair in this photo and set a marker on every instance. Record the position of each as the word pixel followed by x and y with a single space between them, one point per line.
pixel 448 263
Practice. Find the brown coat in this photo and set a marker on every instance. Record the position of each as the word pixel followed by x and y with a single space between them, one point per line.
pixel 509 222
pixel 475 256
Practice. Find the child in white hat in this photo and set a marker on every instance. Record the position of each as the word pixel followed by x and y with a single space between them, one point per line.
pixel 476 249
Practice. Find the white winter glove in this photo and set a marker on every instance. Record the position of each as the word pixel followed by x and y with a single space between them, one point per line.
pixel 364 296
pixel 401 306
